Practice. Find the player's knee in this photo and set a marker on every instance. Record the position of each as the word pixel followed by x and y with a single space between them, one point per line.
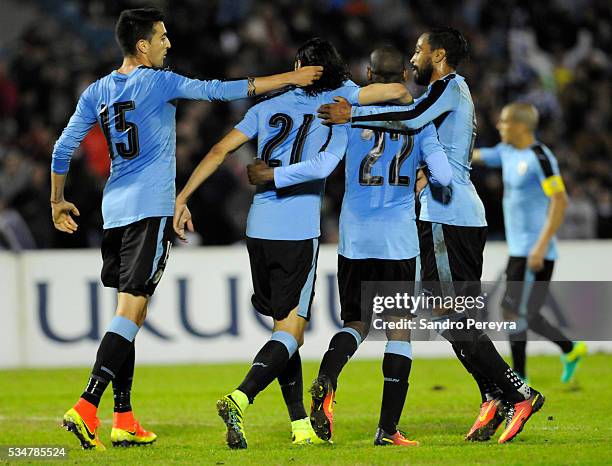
pixel 363 328
pixel 133 307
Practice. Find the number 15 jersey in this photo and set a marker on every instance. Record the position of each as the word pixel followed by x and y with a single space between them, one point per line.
pixel 137 115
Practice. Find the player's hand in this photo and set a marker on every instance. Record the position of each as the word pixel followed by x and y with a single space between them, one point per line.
pixel 259 173
pixel 306 75
pixel 182 218
pixel 421 181
pixel 535 261
pixel 337 113
pixel 62 220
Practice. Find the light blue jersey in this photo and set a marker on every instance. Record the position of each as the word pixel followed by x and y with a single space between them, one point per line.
pixel 447 104
pixel 378 219
pixel 527 174
pixel 288 132
pixel 137 115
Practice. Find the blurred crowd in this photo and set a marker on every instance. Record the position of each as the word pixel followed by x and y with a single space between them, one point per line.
pixel 555 54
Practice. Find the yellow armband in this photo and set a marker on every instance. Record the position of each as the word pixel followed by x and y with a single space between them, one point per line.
pixel 552 185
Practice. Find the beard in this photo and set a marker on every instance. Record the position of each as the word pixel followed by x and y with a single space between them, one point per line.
pixel 423 74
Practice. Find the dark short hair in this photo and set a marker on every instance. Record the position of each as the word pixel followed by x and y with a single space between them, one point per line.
pixel 387 64
pixel 321 52
pixel 134 25
pixel 452 41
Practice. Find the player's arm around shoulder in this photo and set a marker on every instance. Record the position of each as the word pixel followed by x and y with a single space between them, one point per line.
pixel 209 164
pixel 378 93
pixel 340 111
pixel 443 96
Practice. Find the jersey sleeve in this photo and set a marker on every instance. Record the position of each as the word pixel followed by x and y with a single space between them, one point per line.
pixel 432 153
pixel 548 172
pixel 248 125
pixel 350 92
pixel 176 86
pixel 491 156
pixel 443 96
pixel 318 167
pixel 81 121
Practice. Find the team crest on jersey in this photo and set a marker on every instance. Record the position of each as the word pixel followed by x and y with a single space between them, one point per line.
pixel 522 167
pixel 367 134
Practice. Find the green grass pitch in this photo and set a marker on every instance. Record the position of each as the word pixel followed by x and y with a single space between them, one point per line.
pixel 178 403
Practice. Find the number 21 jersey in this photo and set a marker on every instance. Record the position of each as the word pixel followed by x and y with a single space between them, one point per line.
pixel 288 131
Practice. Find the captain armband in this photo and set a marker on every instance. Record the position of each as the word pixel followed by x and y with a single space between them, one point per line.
pixel 553 185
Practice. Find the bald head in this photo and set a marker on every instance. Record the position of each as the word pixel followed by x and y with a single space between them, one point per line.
pixel 386 65
pixel 522 112
pixel 517 124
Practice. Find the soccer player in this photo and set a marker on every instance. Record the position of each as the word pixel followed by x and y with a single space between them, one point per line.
pixel 378 242
pixel 452 225
pixel 135 107
pixel 534 206
pixel 283 227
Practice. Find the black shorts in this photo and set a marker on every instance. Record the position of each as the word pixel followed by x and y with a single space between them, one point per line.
pixel 134 256
pixel 284 275
pixel 452 254
pixel 351 272
pixel 519 287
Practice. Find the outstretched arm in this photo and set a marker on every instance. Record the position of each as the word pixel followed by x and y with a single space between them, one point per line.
pixel 176 86
pixel 489 156
pixel 209 164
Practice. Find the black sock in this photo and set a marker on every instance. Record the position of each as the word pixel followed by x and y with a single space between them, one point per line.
pixel 341 347
pixel 112 353
pixel 122 384
pixel 518 347
pixel 267 365
pixel 565 345
pixel 541 326
pixel 396 370
pixel 292 386
pixel 512 386
pixel 484 358
pixel 488 389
